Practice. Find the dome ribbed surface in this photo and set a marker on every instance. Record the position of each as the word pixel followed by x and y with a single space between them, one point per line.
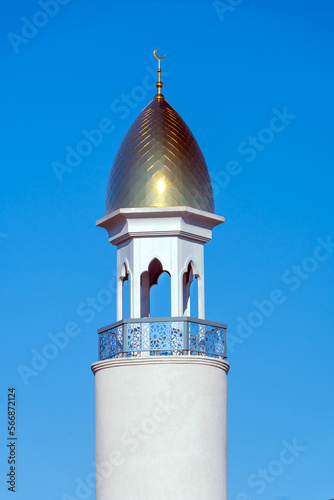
pixel 159 164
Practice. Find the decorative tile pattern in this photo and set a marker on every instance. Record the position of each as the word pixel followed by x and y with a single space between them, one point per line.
pixel 205 340
pixel 162 338
pixel 166 338
pixel 111 343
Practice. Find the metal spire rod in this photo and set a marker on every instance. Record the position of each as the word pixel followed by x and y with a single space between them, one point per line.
pixel 159 84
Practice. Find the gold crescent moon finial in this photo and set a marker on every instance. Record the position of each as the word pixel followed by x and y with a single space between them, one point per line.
pixel 159 84
pixel 156 55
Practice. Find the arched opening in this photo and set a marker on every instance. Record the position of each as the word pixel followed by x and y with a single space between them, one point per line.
pixel 126 297
pixel 194 298
pixel 123 294
pixel 160 297
pixel 190 292
pixel 155 300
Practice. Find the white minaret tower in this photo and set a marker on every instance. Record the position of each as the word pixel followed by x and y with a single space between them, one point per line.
pixel 160 383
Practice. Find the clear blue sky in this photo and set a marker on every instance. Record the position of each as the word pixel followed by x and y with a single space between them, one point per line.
pixel 228 74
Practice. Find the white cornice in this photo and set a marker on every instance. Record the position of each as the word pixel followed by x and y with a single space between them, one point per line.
pixel 186 222
pixel 159 360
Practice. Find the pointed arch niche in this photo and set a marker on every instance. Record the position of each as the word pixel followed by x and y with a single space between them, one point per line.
pixel 155 300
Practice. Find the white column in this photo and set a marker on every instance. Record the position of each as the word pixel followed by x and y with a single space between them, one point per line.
pixel 201 297
pixel 159 437
pixel 176 294
pixel 119 299
pixel 145 295
pixel 135 296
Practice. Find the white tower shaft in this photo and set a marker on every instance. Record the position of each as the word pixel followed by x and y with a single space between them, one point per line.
pixel 161 428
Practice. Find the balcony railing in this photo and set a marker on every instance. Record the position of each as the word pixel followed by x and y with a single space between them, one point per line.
pixel 162 337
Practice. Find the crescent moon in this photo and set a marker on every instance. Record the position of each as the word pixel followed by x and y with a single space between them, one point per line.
pixel 156 56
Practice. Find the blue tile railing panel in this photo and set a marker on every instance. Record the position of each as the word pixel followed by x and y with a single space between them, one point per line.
pixel 162 337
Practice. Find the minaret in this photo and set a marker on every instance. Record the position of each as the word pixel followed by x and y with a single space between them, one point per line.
pixel 160 383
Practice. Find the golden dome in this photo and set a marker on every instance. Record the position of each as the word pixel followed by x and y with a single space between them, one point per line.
pixel 159 164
